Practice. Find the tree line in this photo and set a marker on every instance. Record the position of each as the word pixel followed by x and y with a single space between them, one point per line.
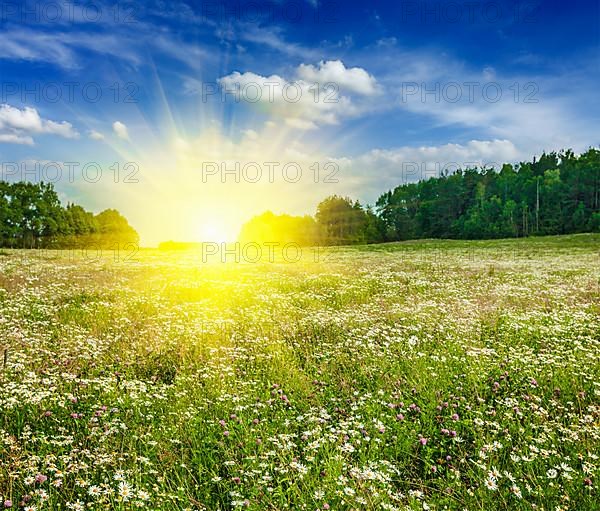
pixel 32 216
pixel 338 221
pixel 559 193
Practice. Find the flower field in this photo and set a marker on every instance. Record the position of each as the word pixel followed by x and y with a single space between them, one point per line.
pixel 418 375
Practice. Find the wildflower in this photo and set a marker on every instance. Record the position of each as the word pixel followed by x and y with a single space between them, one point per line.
pixel 143 495
pixel 490 484
pixel 94 491
pixel 347 448
pixel 551 473
pixel 125 491
pixel 565 468
pixel 494 473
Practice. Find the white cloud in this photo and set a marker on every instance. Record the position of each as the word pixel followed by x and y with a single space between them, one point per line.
pixel 307 100
pixel 300 124
pixel 250 134
pixel 63 129
pixel 473 153
pixel 29 46
pixel 17 125
pixel 27 119
pixel 353 79
pixel 61 48
pixel 536 112
pixel 546 124
pixel 374 172
pixel 127 42
pixel 11 138
pixel 292 100
pixel 120 130
pixel 272 38
pixel 95 135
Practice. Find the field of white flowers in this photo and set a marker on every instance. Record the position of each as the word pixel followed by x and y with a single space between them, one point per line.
pixel 420 375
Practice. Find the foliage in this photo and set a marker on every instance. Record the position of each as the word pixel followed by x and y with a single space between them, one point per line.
pixel 338 221
pixel 345 222
pixel 31 215
pixel 557 194
pixel 282 229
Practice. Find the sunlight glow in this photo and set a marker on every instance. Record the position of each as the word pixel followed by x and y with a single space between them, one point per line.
pixel 171 157
pixel 212 230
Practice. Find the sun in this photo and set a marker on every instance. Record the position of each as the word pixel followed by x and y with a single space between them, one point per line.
pixel 212 230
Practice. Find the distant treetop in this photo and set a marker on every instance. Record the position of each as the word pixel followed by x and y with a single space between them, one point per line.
pixel 32 216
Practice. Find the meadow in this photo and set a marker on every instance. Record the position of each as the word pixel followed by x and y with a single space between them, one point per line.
pixel 403 376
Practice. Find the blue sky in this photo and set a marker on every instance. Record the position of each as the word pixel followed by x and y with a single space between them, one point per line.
pixel 385 88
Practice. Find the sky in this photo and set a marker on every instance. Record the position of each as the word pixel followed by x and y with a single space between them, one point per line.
pixel 192 117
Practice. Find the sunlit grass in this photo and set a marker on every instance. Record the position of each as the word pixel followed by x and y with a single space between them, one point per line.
pixel 429 374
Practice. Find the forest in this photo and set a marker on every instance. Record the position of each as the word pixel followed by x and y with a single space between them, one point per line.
pixel 32 216
pixel 559 193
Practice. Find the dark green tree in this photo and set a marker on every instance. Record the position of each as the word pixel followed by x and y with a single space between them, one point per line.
pixel 32 216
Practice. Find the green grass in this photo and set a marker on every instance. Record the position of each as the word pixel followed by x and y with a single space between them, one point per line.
pixel 168 384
